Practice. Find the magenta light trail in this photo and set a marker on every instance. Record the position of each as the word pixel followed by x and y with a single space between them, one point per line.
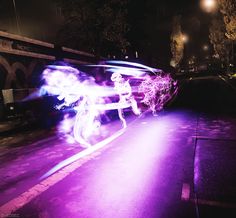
pixel 78 91
pixel 132 64
pixel 83 153
pixel 84 96
pixel 127 68
pixel 123 70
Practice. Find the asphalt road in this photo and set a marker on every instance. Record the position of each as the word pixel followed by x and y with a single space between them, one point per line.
pixel 179 164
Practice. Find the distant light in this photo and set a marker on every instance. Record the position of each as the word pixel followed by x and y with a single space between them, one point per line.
pixel 209 5
pixel 205 47
pixel 184 38
pixel 126 57
pixel 136 54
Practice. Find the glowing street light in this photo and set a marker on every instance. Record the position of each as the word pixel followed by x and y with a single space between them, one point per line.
pixel 209 5
pixel 184 38
pixel 205 47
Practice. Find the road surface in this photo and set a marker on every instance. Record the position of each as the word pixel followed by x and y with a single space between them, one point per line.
pixel 179 164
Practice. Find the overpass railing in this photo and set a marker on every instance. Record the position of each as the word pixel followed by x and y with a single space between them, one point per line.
pixel 23 46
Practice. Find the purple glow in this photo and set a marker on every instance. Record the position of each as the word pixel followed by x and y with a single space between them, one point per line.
pixel 65 82
pixel 84 153
pixel 131 64
pixel 139 167
pixel 122 70
pixel 157 91
pixel 132 69
pixel 84 96
pixel 67 124
pixel 157 87
pixel 124 91
pixel 78 91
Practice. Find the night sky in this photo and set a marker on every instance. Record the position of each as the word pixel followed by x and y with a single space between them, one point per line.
pixel 150 24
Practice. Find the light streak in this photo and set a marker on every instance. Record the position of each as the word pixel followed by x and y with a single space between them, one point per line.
pixel 123 70
pixel 79 92
pixel 83 153
pixel 82 94
pixel 127 68
pixel 132 64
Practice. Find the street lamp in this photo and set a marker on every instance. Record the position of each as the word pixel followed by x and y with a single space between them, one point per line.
pixel 205 47
pixel 17 21
pixel 184 38
pixel 209 5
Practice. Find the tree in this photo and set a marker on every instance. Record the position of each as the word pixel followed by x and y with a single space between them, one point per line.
pixel 177 43
pixel 228 10
pixel 218 39
pixel 94 25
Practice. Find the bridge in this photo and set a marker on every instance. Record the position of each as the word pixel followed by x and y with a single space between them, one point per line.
pixel 22 61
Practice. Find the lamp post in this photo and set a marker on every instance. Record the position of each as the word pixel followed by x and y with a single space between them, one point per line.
pixel 185 40
pixel 17 21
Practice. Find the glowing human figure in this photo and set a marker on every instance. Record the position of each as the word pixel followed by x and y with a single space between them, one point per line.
pixel 148 88
pixel 163 86
pixel 85 122
pixel 63 82
pixel 78 91
pixel 124 91
pixel 156 91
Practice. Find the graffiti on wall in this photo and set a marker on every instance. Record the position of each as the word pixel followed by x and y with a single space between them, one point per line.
pixel 19 75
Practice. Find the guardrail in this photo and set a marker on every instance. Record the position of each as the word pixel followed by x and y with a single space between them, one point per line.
pixel 24 46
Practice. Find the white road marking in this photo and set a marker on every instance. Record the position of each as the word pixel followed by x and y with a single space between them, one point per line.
pixel 8 208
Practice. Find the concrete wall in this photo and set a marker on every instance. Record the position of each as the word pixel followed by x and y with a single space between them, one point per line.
pixel 15 74
pixel 22 60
